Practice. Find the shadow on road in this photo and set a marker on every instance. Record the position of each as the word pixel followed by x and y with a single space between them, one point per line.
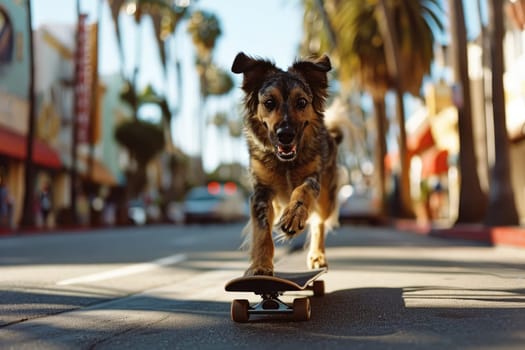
pixel 429 314
pixel 368 317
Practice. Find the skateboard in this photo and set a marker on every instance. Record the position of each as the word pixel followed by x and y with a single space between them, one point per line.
pixel 270 288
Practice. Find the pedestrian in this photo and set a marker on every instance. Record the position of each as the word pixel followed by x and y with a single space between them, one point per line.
pixel 45 204
pixel 436 199
pixel 4 204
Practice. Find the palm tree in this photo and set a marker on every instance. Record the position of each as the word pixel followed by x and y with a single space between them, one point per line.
pixel 28 215
pixel 472 200
pixel 165 23
pixel 144 141
pixel 501 208
pixel 204 28
pixel 165 18
pixel 389 34
pixel 365 49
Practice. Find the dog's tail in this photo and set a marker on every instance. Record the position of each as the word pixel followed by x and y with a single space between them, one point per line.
pixel 338 123
pixel 341 128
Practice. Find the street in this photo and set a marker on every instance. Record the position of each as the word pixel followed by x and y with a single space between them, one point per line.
pixel 162 287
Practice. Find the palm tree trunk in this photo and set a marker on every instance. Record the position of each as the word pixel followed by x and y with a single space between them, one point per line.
pixel 136 68
pixel 74 132
pixel 472 200
pixel 388 32
pixel 94 91
pixel 501 204
pixel 332 37
pixel 406 199
pixel 380 115
pixel 28 215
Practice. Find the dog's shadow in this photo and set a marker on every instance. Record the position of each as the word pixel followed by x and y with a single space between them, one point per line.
pixel 352 312
pixel 360 312
pixel 381 313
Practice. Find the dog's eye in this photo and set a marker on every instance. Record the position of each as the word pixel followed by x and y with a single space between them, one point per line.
pixel 301 103
pixel 269 104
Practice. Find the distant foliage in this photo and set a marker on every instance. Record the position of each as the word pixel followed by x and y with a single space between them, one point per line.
pixel 218 81
pixel 142 139
pixel 204 28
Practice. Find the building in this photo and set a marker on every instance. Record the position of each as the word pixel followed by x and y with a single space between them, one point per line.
pixel 14 108
pixel 97 156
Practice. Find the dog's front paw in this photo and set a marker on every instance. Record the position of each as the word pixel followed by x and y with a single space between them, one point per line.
pixel 258 270
pixel 316 261
pixel 293 220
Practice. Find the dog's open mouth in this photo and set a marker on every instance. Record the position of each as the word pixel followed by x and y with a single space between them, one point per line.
pixel 286 152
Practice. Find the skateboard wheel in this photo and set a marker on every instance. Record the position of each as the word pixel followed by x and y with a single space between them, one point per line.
pixel 239 310
pixel 301 309
pixel 318 288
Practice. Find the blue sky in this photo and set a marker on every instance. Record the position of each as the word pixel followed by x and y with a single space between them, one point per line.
pixel 266 28
pixel 269 28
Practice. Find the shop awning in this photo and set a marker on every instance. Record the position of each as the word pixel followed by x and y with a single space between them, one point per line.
pixel 420 141
pixel 435 162
pixel 13 145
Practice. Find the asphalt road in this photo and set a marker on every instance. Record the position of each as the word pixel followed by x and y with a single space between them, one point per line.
pixel 162 287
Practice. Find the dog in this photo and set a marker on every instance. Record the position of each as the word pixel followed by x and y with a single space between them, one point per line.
pixel 292 157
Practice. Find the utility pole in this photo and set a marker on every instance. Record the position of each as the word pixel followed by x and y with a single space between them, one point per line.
pixel 74 125
pixel 28 215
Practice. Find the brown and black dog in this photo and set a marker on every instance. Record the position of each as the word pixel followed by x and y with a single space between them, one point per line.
pixel 292 157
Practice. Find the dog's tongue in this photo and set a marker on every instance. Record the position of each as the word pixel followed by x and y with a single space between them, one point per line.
pixel 286 148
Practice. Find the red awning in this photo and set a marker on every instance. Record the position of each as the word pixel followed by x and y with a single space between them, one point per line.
pixel 13 145
pixel 435 162
pixel 420 141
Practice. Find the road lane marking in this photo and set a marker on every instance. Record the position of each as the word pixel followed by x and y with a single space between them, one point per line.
pixel 125 271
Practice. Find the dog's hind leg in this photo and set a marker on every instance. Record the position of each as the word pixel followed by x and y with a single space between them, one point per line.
pixel 262 247
pixel 316 257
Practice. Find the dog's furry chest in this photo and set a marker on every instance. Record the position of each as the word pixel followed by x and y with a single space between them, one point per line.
pixel 282 179
pixel 285 183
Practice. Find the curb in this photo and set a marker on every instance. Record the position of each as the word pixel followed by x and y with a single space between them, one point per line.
pixel 497 235
pixel 67 229
pixel 27 231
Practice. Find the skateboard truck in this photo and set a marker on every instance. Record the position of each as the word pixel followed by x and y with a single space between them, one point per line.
pixel 270 304
pixel 270 288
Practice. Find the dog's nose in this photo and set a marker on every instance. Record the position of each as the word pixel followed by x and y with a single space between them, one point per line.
pixel 285 135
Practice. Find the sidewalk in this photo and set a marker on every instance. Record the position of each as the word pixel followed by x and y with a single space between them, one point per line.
pixel 34 230
pixel 502 235
pixel 499 235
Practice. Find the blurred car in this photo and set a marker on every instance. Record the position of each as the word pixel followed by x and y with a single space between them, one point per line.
pixel 137 212
pixel 215 202
pixel 358 205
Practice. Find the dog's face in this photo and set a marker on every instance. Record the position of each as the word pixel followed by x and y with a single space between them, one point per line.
pixel 283 105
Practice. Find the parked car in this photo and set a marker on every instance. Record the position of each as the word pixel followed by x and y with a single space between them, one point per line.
pixel 358 205
pixel 215 202
pixel 137 212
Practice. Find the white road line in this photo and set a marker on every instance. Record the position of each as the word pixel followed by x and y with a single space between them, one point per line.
pixel 125 271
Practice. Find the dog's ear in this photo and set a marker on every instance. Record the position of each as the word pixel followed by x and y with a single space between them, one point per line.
pixel 314 72
pixel 255 71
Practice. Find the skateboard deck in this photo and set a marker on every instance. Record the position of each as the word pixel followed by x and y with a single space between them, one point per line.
pixel 270 288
